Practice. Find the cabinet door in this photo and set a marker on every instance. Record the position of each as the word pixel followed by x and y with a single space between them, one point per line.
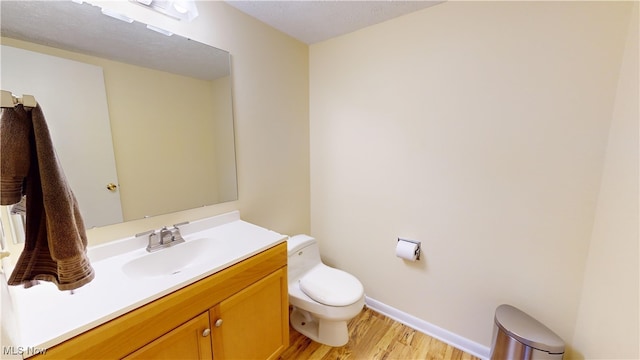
pixel 190 340
pixel 254 323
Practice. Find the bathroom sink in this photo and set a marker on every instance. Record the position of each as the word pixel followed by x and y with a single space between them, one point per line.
pixel 174 260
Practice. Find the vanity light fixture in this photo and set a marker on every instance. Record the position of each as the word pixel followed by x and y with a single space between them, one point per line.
pixel 116 15
pixel 181 6
pixel 159 30
pixel 177 9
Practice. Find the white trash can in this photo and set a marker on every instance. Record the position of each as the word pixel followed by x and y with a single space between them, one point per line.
pixel 518 336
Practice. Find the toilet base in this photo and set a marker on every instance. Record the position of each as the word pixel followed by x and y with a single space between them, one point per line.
pixel 332 333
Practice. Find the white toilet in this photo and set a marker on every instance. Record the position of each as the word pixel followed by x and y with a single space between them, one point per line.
pixel 324 299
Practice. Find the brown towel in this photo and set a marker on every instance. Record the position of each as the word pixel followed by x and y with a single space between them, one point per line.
pixel 56 242
pixel 14 162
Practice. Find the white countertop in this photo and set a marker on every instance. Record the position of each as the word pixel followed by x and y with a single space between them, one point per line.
pixel 47 316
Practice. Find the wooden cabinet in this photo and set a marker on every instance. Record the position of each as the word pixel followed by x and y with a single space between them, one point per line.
pixel 249 325
pixel 190 340
pixel 244 307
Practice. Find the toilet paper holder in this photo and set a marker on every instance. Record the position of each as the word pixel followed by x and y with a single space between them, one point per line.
pixel 418 249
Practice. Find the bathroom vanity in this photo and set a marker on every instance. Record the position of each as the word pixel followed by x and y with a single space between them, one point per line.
pixel 227 298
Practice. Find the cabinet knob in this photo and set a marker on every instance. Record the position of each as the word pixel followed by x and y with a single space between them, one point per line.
pixel 218 323
pixel 206 332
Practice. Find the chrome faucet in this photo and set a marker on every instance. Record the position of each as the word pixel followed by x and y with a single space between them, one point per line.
pixel 165 238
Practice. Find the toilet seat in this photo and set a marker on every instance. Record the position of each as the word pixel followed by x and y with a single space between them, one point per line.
pixel 331 286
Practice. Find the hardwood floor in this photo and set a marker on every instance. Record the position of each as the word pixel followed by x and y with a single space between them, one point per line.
pixel 374 336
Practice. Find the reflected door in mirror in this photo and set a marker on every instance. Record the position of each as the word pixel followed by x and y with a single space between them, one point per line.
pixel 72 96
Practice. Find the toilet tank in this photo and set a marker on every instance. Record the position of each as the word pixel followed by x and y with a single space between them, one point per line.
pixel 303 254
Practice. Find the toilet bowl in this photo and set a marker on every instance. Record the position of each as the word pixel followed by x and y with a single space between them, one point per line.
pixel 323 298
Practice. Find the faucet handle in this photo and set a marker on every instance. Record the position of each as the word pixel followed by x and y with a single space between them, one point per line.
pixel 145 233
pixel 180 224
pixel 154 242
pixel 175 232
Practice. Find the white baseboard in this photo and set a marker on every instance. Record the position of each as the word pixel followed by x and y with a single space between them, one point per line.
pixel 457 341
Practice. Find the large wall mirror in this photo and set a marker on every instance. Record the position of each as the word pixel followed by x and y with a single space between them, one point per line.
pixel 142 121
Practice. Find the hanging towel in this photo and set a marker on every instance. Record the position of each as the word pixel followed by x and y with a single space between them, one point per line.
pixel 14 162
pixel 55 239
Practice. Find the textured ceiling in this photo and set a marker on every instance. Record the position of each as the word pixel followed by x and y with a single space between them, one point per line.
pixel 83 28
pixel 315 21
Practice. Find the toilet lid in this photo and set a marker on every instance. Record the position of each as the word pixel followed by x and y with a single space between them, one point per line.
pixel 331 286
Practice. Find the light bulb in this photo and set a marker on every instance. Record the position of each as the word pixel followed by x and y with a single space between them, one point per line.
pixel 181 7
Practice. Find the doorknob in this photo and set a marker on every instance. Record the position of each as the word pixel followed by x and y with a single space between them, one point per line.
pixel 206 332
pixel 112 187
pixel 218 323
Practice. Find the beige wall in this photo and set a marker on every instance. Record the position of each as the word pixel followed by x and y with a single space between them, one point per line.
pixel 162 147
pixel 607 326
pixel 224 140
pixel 270 95
pixel 480 129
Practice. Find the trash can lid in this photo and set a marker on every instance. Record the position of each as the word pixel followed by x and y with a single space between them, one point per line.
pixel 528 330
